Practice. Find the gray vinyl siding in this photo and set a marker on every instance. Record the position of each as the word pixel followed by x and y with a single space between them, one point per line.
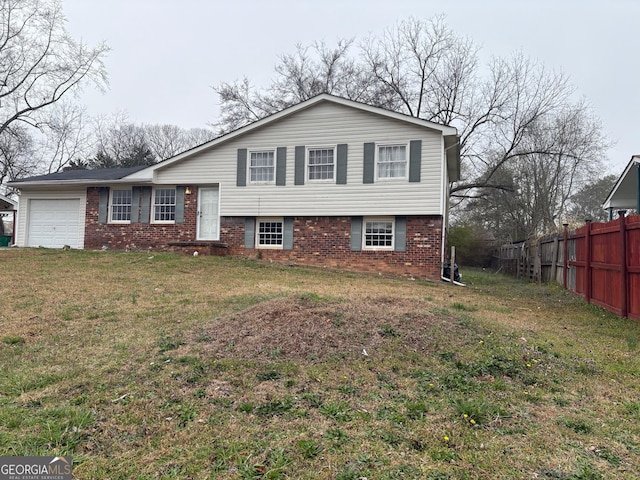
pixel 324 124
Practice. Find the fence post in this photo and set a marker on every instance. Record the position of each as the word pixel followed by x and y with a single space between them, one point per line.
pixel 624 301
pixel 587 263
pixel 554 258
pixel 565 254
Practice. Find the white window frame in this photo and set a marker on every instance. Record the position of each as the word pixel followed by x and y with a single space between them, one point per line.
pixel 262 220
pixel 154 205
pixel 250 168
pixel 406 161
pixel 333 149
pixel 368 220
pixel 112 190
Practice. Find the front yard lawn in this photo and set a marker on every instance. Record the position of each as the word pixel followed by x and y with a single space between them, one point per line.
pixel 153 365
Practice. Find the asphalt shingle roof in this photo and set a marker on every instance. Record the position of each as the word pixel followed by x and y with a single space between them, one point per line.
pixel 97 174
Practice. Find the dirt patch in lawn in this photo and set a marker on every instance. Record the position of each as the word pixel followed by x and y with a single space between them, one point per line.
pixel 300 328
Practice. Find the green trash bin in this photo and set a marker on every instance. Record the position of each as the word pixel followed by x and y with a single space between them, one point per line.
pixel 5 240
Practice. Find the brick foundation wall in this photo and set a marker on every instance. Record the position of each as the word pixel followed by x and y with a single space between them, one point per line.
pixel 317 241
pixel 325 241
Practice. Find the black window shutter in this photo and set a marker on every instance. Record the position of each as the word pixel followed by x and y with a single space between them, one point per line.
pixel 287 234
pixel 400 241
pixel 369 166
pixel 356 234
pixel 341 166
pixel 241 174
pixel 103 205
pixel 145 204
pixel 415 155
pixel 281 166
pixel 299 165
pixel 249 232
pixel 179 217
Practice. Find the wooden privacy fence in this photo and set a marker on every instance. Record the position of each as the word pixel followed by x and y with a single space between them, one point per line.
pixel 600 261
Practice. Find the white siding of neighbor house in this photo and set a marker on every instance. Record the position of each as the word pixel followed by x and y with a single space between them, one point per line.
pixel 324 124
pixel 23 208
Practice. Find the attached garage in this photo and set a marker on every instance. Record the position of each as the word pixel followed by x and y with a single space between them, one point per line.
pixel 51 219
pixel 54 223
pixel 52 208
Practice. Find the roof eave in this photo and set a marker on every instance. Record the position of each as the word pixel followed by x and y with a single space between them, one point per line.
pixel 635 160
pixel 76 182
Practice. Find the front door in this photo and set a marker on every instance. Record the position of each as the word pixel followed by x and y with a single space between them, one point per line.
pixel 208 213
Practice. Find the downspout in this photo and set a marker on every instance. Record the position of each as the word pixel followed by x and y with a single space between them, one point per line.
pixel 638 188
pixel 446 188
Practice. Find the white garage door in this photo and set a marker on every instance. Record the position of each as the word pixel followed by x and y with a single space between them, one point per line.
pixel 54 223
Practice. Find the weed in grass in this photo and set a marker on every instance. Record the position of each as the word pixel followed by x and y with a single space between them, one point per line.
pixel 442 455
pixel 586 471
pixel 391 414
pixel 476 411
pixel 403 471
pixel 560 402
pixel 416 410
pixel 337 435
pixel 608 455
pixel 246 407
pixel 311 297
pixel 13 340
pixel 577 425
pixel 387 382
pixel 276 407
pixel 339 411
pixel 388 331
pixel 312 399
pixel 348 389
pixel 391 437
pixel 268 375
pixel 309 448
pixel 168 342
pixel 463 308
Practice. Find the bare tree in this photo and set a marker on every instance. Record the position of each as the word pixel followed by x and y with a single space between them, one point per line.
pixel 65 137
pixel 299 76
pixel 518 122
pixel 17 154
pixel 39 65
pixel 120 142
pixel 165 141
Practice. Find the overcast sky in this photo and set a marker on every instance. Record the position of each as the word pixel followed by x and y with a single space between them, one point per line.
pixel 167 54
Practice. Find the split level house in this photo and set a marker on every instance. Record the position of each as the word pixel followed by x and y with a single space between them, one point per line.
pixel 327 182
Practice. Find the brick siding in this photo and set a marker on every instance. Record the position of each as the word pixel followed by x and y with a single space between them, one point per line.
pixel 317 241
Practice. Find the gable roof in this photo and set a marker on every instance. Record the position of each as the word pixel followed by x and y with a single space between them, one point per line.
pixel 447 131
pixel 625 194
pixel 98 175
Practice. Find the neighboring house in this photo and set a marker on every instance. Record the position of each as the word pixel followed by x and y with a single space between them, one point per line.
pixel 7 220
pixel 328 182
pixel 625 194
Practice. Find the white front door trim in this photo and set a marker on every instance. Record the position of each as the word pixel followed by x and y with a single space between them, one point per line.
pixel 208 215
